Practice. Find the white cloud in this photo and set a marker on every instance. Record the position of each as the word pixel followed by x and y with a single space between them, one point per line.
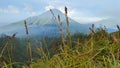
pixel 33 14
pixel 49 7
pixel 89 19
pixel 28 7
pixel 10 9
pixel 61 9
pixel 82 16
pixel 29 10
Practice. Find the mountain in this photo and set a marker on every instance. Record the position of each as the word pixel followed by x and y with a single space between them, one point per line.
pixel 44 25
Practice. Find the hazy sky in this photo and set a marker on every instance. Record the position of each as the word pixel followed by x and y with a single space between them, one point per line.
pixel 100 12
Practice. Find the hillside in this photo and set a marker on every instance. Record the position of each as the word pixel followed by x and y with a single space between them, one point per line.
pixel 44 25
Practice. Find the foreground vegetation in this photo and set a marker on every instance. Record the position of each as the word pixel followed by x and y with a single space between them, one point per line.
pixel 99 49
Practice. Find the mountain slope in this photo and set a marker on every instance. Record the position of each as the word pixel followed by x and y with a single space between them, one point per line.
pixel 44 25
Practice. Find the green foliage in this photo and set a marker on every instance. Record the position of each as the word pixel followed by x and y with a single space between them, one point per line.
pixel 86 52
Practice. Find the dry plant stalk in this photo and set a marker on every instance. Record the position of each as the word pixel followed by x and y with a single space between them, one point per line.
pixel 118 30
pixel 58 20
pixel 118 27
pixel 62 34
pixel 26 27
pixel 53 15
pixel 28 43
pixel 8 41
pixel 118 54
pixel 68 27
pixel 92 30
pixel 114 39
pixel 44 41
pixel 92 35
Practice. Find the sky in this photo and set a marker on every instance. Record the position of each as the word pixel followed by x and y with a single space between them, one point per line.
pixel 100 12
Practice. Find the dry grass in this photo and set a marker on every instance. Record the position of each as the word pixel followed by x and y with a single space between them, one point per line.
pixel 29 50
pixel 94 52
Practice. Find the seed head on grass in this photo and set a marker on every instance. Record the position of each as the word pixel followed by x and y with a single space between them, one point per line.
pixel 26 27
pixel 61 30
pixel 53 14
pixel 65 10
pixel 68 28
pixel 60 24
pixel 92 29
pixel 118 27
pixel 58 20
pixel 28 44
pixel 13 36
